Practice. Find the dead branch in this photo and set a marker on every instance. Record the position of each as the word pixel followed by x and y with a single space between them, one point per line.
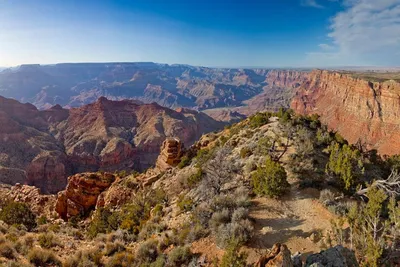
pixel 391 185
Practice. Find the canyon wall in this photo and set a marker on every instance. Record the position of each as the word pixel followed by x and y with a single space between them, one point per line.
pixel 42 148
pixel 358 109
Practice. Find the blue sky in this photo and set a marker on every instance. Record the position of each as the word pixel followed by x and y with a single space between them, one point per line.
pixel 223 33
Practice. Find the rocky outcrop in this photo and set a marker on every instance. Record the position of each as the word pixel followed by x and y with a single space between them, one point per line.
pixel 171 153
pixel 116 195
pixel 81 194
pixel 333 257
pixel 279 256
pixel 39 203
pixel 358 109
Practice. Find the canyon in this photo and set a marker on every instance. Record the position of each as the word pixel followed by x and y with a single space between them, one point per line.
pixel 83 131
pixel 42 148
pixel 364 112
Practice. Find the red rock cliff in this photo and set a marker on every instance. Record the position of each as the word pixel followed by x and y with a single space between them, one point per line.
pixel 356 108
pixel 285 78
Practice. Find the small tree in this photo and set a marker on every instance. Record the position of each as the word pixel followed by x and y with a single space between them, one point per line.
pixel 270 180
pixel 394 220
pixel 18 213
pixel 217 172
pixel 346 164
pixel 367 230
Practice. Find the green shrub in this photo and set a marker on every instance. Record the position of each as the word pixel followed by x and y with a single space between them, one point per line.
pixel 195 178
pixel 25 244
pixel 47 240
pixel 346 164
pixel 259 119
pixel 147 251
pixel 188 233
pixel 104 221
pixel 54 228
pixel 232 257
pixel 285 115
pixel 114 247
pixel 204 155
pixel 245 152
pixel 157 210
pixel 42 220
pixel 150 228
pixel 179 256
pixel 160 262
pixel 122 173
pixel 270 180
pixel 133 216
pixel 185 161
pixel 240 232
pixel 41 257
pixel 340 139
pixel 19 214
pixel 121 259
pixel 87 258
pixel 185 203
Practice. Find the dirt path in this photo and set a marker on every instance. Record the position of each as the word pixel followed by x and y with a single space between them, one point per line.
pixel 289 220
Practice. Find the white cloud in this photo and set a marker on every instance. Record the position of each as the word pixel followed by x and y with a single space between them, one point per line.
pixel 367 30
pixel 326 47
pixel 311 3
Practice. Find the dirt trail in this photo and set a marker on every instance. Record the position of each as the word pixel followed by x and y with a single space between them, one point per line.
pixel 289 220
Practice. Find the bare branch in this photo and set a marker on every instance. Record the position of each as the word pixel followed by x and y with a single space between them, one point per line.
pixel 391 185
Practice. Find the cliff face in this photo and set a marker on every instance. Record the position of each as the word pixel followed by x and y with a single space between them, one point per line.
pixel 286 78
pixel 358 109
pixel 28 153
pixel 125 135
pixel 42 148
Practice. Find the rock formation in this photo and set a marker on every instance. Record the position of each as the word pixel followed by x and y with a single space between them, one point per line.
pixel 28 153
pixel 81 194
pixel 336 257
pixel 358 109
pixel 39 203
pixel 42 148
pixel 279 256
pixel 171 153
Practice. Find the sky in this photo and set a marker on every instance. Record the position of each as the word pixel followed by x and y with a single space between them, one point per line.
pixel 215 33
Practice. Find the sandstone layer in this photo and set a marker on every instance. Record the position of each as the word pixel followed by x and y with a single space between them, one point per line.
pixel 360 110
pixel 82 193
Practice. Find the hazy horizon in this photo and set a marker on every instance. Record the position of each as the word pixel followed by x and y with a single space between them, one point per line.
pixel 377 68
pixel 287 33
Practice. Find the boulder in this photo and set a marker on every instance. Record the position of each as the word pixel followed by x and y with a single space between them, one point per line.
pixel 279 256
pixel 338 256
pixel 82 193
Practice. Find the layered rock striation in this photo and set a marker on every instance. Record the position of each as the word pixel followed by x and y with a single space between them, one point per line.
pixel 82 193
pixel 360 110
pixel 42 148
